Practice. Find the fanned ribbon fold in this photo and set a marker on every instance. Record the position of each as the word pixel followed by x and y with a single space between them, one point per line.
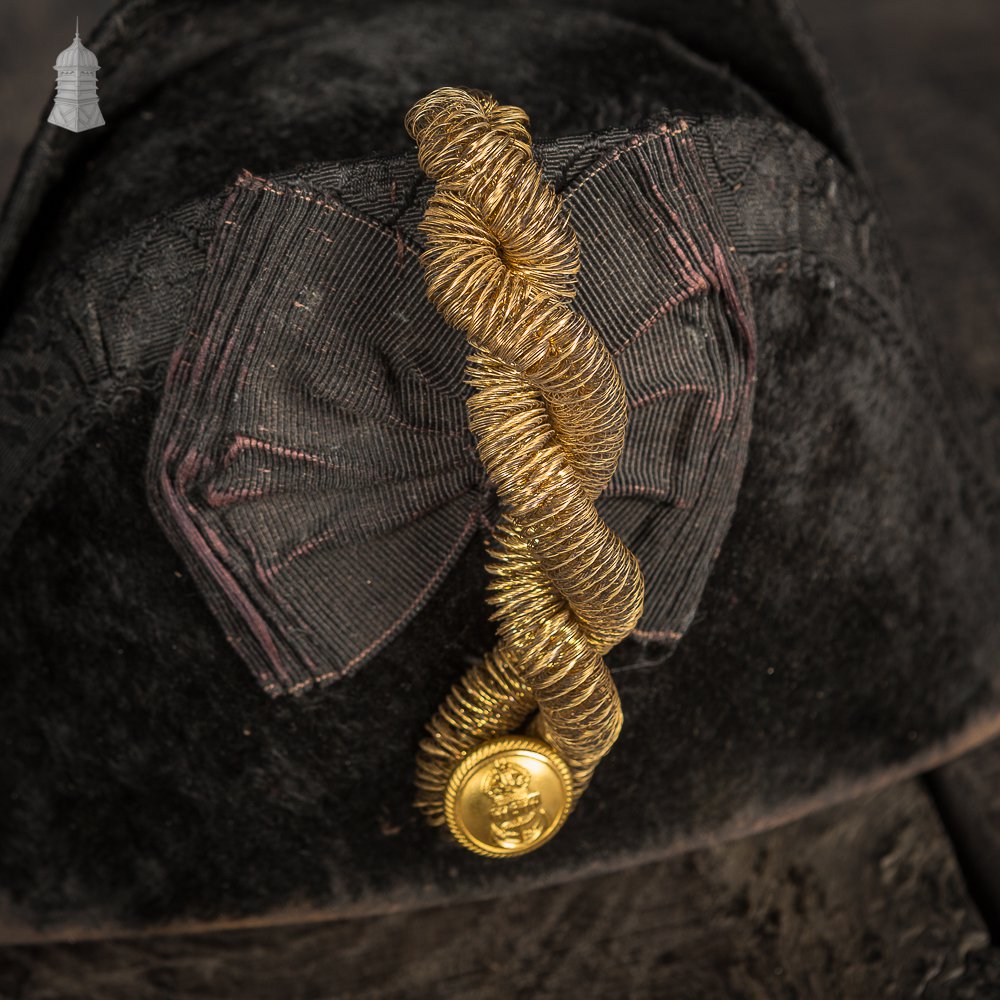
pixel 311 459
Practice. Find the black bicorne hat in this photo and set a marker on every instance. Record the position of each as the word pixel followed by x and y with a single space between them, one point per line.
pixel 243 522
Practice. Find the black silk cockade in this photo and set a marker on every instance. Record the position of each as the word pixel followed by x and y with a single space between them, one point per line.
pixel 311 460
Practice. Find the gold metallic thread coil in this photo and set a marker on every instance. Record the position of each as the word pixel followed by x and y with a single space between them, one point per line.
pixel 548 413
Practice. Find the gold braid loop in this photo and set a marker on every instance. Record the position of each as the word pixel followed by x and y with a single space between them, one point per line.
pixel 549 416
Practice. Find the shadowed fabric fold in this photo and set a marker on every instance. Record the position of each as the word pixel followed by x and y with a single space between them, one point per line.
pixel 311 460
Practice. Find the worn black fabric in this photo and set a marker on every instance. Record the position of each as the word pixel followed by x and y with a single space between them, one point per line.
pixel 193 91
pixel 859 901
pixel 846 633
pixel 312 460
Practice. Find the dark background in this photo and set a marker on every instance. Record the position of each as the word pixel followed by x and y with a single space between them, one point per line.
pixel 891 59
pixel 959 37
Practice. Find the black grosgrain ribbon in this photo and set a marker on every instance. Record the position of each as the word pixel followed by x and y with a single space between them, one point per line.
pixel 311 459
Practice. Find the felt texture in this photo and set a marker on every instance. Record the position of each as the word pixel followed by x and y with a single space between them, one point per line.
pixel 845 636
pixel 939 68
pixel 861 900
pixel 193 92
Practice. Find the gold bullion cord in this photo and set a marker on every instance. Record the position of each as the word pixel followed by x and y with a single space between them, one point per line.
pixel 548 413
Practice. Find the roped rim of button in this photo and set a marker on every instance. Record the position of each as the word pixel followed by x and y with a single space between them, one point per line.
pixel 514 806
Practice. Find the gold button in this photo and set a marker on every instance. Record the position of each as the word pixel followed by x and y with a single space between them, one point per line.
pixel 507 797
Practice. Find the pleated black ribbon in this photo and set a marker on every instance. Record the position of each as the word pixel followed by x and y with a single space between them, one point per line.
pixel 311 459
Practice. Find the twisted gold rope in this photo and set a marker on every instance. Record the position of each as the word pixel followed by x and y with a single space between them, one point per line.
pixel 549 416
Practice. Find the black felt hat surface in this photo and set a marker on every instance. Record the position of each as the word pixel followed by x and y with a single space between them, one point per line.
pixel 847 633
